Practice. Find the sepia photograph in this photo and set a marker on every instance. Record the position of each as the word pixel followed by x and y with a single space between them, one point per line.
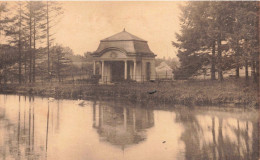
pixel 129 80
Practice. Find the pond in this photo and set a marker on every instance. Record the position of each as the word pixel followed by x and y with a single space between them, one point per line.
pixel 35 128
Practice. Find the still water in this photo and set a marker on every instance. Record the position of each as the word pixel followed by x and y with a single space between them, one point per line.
pixel 34 128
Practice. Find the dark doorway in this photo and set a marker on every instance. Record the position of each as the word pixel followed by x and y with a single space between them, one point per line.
pixel 117 69
pixel 148 71
pixel 129 63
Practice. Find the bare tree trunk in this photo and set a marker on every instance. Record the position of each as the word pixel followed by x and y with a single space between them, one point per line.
pixel 48 39
pixel 257 54
pixel 19 45
pixel 30 47
pixel 2 74
pixel 25 66
pixel 213 69
pixel 220 75
pixel 237 60
pixel 58 66
pixel 257 71
pixel 34 47
pixel 5 74
pixel 246 69
pixel 253 75
pixel 51 70
pixel 237 71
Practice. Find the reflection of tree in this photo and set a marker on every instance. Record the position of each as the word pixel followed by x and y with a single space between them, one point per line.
pixel 121 125
pixel 20 136
pixel 47 127
pixel 8 146
pixel 243 152
pixel 191 134
pixel 220 139
pixel 222 145
pixel 247 141
pixel 19 125
pixel 213 138
pixel 18 139
pixel 255 146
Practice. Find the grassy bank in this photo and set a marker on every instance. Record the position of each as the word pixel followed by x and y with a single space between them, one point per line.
pixel 229 92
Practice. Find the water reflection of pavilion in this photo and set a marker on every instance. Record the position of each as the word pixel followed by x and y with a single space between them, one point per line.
pixel 121 125
pixel 29 129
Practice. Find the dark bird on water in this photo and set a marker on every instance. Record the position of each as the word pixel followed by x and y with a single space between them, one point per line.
pixel 152 92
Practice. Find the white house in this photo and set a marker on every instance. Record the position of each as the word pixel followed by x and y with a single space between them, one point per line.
pixel 164 71
pixel 124 56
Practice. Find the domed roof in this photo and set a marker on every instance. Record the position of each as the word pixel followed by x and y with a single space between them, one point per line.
pixel 124 41
pixel 123 36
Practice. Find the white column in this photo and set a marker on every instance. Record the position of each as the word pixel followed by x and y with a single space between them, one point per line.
pixel 94 68
pixel 153 72
pixel 125 69
pixel 102 70
pixel 134 72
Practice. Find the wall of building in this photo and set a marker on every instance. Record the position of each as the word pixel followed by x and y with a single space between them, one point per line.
pixel 140 74
pixel 144 68
pixel 113 54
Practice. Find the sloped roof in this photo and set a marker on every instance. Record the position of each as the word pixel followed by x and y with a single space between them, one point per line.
pixel 123 36
pixel 163 67
pixel 127 42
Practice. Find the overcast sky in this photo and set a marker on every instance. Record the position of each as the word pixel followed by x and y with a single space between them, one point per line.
pixel 84 24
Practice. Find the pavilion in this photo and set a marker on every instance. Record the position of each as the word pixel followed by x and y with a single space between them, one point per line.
pixel 124 56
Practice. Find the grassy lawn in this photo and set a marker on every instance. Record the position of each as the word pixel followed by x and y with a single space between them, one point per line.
pixel 197 92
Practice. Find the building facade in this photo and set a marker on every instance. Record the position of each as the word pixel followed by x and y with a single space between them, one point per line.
pixel 124 56
pixel 164 71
